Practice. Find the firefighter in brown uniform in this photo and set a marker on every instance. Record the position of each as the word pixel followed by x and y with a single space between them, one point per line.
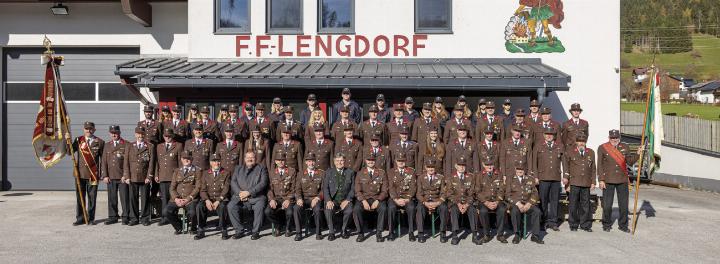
pixel 152 128
pixel 460 192
pixel 290 149
pixel 490 119
pixel 350 148
pixel 240 127
pixel 308 194
pixel 574 126
pixel 432 148
pixel 490 195
pixel 424 124
pixel 200 147
pixel 454 122
pixel 337 132
pixel 396 123
pixel 371 192
pixel 184 191
pixel 138 169
pixel 321 147
pixel 534 115
pixel 88 167
pixel 512 150
pixel 372 127
pixel 487 147
pixel 545 167
pixel 461 147
pixel 178 125
pixel 211 128
pixel 230 150
pixel 168 159
pixel 380 152
pixel 317 119
pixel 258 145
pixel 402 191
pixel 214 190
pixel 281 195
pixel 406 147
pixel 580 177
pixel 297 132
pixel 613 159
pixel 111 171
pixel 522 197
pixel 545 122
pixel 263 123
pixel 430 199
pixel 525 124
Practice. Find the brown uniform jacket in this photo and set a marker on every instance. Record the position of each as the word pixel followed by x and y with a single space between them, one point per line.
pixel 111 164
pixel 570 130
pixel 509 154
pixel 153 130
pixel 229 156
pixel 186 185
pixel 410 150
pixel 491 152
pixel 394 130
pixel 293 154
pixel 167 160
pixel 373 186
pixel 460 190
pixel 450 132
pixel 546 161
pixel 428 152
pixel 489 187
pixel 539 131
pixel 211 130
pixel 403 183
pixel 215 188
pixel 297 132
pixel 200 153
pixel 517 190
pixel 139 163
pixel 240 128
pixel 266 126
pixel 579 169
pixel 367 130
pixel 496 124
pixel 430 190
pixel 310 133
pixel 352 152
pixel 182 130
pixel 323 153
pixel 282 187
pixel 96 148
pixel 261 149
pixel 527 130
pixel 455 150
pixel 307 187
pixel 420 130
pixel 337 130
pixel 382 157
pixel 608 170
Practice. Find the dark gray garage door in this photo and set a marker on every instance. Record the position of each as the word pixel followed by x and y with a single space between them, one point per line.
pixel 93 93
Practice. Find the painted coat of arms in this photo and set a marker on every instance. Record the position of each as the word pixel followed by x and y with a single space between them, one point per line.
pixel 528 30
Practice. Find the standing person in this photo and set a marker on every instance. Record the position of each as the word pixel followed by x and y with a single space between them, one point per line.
pixel 111 169
pixel 168 159
pixel 462 102
pixel 287 123
pixel 545 164
pixel 480 111
pixel 338 192
pixel 338 128
pixel 574 126
pixel 409 112
pixel 513 150
pixel 89 150
pixel 308 194
pixel 371 191
pixel 383 110
pixel 490 193
pixel 281 195
pixel 317 119
pixel 424 124
pixel 214 189
pixel 264 123
pixel 230 150
pixel 248 114
pixel 321 148
pixel 402 191
pixel 178 125
pixel 522 197
pixel 406 147
pixel 193 115
pixel 291 150
pixel 431 149
pixel 461 147
pixel 453 123
pixel 378 151
pixel 200 147
pixel 439 112
pixel 490 119
pixel 165 115
pixel 372 127
pixel 507 114
pixel 258 145
pixel 545 122
pixel 580 177
pixel 312 105
pixel 534 115
pixel 351 149
pixel 153 128
pixel 138 169
pixel 397 122
pixel 613 159
pixel 355 111
pixel 430 199
pixel 276 110
pixel 240 127
pixel 184 189
pixel 488 148
pixel 222 115
pixel 525 124
pixel 460 192
pixel 249 184
pixel 210 128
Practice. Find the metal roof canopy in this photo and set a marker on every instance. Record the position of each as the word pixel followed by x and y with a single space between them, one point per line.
pixel 527 74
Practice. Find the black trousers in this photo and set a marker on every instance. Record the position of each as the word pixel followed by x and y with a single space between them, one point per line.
pixel 346 214
pixel 360 213
pixel 115 186
pixel 455 214
pixel 155 199
pixel 89 193
pixel 409 213
pixel 622 194
pixel 549 201
pixel 533 219
pixel 164 197
pixel 203 212
pixel 274 215
pixel 316 211
pixel 500 212
pixel 579 207
pixel 171 211
pixel 257 205
pixel 139 208
pixel 422 211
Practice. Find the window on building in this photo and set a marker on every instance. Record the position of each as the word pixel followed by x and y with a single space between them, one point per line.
pixel 336 16
pixel 433 16
pixel 23 91
pixel 115 92
pixel 79 91
pixel 232 16
pixel 284 16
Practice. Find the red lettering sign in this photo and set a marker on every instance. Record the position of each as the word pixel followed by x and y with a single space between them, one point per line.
pixel 330 45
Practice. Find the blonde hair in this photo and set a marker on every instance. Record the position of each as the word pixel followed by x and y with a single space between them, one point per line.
pixel 442 114
pixel 313 120
pixel 439 146
pixel 467 113
pixel 223 116
pixel 191 116
pixel 276 108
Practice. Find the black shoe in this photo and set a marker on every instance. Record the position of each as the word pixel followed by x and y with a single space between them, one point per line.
pixel 574 229
pixel 318 237
pixel 421 238
pixel 276 233
pixel 589 230
pixel 133 223
pixel 77 223
pixel 146 223
pixel 516 239
pixel 199 235
pixel 624 229
pixel 411 237
pixel 254 236
pixel 193 231
pixel 455 240
pixel 125 222
pixel 237 235
pixel 391 236
pixel 111 221
pixel 225 235
pixel 536 239
pixel 298 237
pixel 163 222
pixel 554 228
pixel 360 237
pixel 345 235
pixel 288 233
pixel 500 238
pixel 92 222
pixel 331 237
pixel 476 239
pixel 178 232
pixel 379 238
pixel 443 237
pixel 606 229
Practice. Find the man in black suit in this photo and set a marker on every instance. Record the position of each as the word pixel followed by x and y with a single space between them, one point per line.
pixel 339 192
pixel 248 184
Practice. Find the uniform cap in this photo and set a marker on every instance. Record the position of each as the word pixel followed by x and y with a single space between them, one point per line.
pixel 177 108
pixel 520 112
pixel 398 107
pixel 380 97
pixel 461 161
pixel 401 157
pixel 345 108
pixel 233 108
pixel 575 107
pixel 277 100
pixel 215 157
pixel 519 165
pixel 614 133
pixel 346 90
pixel 229 128
pixel 260 106
pixel 198 127
pixel 148 108
pixel 373 109
pixel 427 106
pixel 534 103
pixel 461 98
pixel 193 106
pixel 223 107
pixel 289 109
pixel 186 154
pixel 581 138
pixel 165 108
pixel 549 130
pixel 311 97
pixel 507 101
pixel 89 124
pixel 490 104
pixel 482 101
pixel 140 130
pixel 114 129
pixel 409 100
pixel 546 111
pixel 169 132
pixel 205 110
pixel 310 156
pixel 438 99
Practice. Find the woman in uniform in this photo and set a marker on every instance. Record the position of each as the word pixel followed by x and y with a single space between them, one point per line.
pixel 316 119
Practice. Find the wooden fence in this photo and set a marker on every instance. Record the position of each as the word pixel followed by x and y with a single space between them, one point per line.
pixel 689 132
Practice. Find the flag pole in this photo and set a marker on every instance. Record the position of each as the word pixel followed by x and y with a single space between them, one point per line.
pixel 642 148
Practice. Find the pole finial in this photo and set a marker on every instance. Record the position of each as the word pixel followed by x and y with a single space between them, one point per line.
pixel 48 44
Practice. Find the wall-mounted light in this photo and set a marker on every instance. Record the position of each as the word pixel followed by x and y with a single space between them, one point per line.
pixel 59 9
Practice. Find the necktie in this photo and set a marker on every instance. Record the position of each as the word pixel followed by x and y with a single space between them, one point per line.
pixel 185 170
pixel 319 142
pixel 490 120
pixel 282 173
pixel 399 123
pixel 545 125
pixel 516 143
pixel 260 120
pixel 234 120
pixel 576 122
pixel 549 144
pixel 215 173
pixel 115 143
pixel 229 144
pixel 372 124
pixel 205 123
pixel 167 146
pixel 462 143
pixel 349 142
pixel 489 144
pixel 139 145
pixel 89 141
pixel 434 145
pixel 427 120
pixel 175 123
pixel 289 123
pixel 462 176
pixel 287 145
pixel 582 152
pixel 404 145
pixel 198 142
pixel 147 122
pixel 311 174
pixel 375 151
